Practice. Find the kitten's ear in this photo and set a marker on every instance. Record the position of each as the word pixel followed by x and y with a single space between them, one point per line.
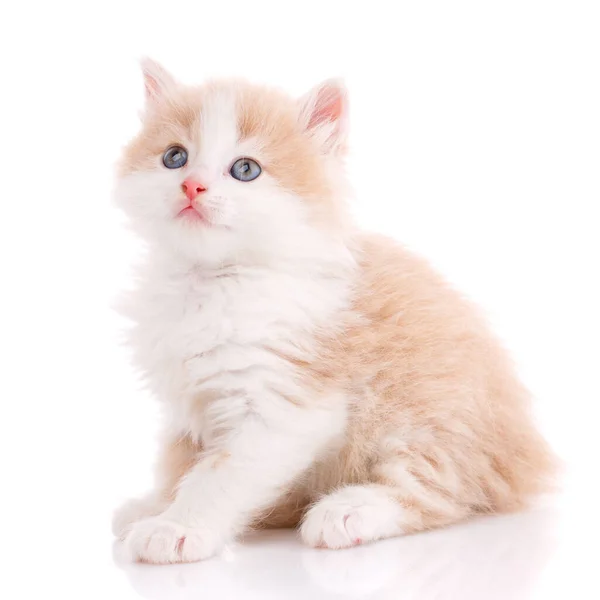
pixel 324 114
pixel 159 83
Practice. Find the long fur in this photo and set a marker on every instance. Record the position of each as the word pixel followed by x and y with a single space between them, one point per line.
pixel 310 373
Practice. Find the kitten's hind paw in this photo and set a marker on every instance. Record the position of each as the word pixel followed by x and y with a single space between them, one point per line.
pixel 351 516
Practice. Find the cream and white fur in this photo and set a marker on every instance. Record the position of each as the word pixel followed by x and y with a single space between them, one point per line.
pixel 240 329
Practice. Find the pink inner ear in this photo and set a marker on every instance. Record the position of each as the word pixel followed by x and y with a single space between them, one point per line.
pixel 328 108
pixel 151 86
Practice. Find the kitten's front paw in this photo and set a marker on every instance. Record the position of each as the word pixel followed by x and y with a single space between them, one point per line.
pixel 135 510
pixel 161 541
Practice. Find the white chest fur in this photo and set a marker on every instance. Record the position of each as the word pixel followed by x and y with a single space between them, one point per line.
pixel 211 333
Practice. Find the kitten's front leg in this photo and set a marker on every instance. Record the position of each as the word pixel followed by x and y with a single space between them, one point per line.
pixel 177 454
pixel 246 466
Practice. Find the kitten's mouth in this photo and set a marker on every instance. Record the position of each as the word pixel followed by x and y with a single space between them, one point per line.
pixel 189 213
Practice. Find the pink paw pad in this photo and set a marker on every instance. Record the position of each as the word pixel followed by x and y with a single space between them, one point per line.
pixel 180 543
pixel 356 541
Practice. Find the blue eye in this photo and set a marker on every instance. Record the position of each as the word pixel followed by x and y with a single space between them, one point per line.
pixel 175 157
pixel 245 169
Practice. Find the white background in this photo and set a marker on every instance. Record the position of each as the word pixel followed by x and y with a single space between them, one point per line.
pixel 476 141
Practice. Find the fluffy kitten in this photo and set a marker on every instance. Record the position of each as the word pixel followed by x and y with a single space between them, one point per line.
pixel 310 374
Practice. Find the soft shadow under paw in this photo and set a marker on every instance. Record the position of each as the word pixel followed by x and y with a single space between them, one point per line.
pixel 491 558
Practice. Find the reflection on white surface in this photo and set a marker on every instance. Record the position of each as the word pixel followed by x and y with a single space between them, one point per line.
pixel 494 558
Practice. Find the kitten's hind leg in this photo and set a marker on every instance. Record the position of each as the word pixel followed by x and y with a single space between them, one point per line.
pixel 410 489
pixel 353 515
pixel 358 514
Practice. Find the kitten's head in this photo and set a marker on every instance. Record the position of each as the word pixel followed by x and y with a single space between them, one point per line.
pixel 229 172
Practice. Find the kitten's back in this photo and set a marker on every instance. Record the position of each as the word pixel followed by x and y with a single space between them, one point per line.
pixel 436 400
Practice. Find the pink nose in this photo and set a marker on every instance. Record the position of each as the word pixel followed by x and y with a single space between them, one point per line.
pixel 191 188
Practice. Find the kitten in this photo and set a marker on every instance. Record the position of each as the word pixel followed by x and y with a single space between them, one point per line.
pixel 310 374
